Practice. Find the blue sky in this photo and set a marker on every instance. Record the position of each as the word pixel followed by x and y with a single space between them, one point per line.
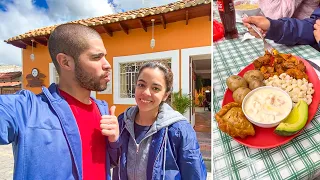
pixel 42 4
pixel 20 16
pixel 38 3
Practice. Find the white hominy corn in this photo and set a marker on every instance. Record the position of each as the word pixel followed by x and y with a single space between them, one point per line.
pixel 310 91
pixel 284 86
pixel 288 77
pixel 304 80
pixel 282 76
pixel 309 101
pixel 294 81
pixel 297 89
pixel 301 94
pixel 289 88
pixel 303 87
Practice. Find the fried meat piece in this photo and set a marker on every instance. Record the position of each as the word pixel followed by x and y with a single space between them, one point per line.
pixel 270 69
pixel 297 74
pixel 279 69
pixel 264 69
pixel 288 65
pixel 257 64
pixel 301 67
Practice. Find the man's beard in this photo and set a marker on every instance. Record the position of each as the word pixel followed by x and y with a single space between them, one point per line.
pixel 88 81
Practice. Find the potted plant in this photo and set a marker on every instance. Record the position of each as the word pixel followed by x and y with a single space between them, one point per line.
pixel 181 102
pixel 200 98
pixel 199 83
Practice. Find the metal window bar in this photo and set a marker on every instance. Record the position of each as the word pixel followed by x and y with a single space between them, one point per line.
pixel 128 76
pixel 56 75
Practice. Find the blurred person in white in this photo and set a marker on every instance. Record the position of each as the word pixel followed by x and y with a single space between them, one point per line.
pixel 300 9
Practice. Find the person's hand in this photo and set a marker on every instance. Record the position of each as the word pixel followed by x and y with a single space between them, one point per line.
pixel 316 31
pixel 109 125
pixel 262 23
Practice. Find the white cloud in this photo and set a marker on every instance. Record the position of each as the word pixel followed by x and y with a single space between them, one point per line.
pixel 75 9
pixel 136 4
pixel 22 16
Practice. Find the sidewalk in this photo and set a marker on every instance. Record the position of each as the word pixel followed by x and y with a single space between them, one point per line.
pixel 6 162
pixel 203 130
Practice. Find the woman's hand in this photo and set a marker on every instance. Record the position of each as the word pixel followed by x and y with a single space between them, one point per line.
pixel 316 31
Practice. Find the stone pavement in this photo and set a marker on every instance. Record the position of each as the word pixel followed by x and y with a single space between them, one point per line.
pixel 209 177
pixel 6 162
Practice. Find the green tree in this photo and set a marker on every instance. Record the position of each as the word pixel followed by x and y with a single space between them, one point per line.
pixel 199 83
pixel 200 98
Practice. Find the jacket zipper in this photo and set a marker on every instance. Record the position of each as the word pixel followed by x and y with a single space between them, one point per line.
pixel 119 160
pixel 135 170
pixel 137 150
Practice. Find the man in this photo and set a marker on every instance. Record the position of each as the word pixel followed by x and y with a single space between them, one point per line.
pixel 288 31
pixel 56 134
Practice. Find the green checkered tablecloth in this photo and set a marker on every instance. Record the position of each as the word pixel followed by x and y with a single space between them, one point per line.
pixel 299 159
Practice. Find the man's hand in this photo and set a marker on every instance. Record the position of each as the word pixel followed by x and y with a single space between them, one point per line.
pixel 109 125
pixel 262 23
pixel 316 31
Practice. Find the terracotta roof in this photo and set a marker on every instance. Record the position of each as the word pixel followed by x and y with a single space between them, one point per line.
pixel 10 75
pixel 112 18
pixel 9 84
pixel 10 68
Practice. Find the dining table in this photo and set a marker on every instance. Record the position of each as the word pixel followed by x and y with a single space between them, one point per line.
pixel 297 159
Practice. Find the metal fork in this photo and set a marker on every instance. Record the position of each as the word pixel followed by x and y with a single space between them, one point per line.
pixel 266 45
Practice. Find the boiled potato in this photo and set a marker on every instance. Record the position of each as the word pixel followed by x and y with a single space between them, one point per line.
pixel 255 84
pixel 235 81
pixel 252 75
pixel 239 94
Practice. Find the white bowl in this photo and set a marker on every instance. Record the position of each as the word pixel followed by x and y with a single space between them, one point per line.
pixel 249 12
pixel 265 124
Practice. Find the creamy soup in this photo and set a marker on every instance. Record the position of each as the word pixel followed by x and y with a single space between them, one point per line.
pixel 246 6
pixel 267 105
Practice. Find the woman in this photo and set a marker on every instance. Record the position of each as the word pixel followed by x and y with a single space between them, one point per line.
pixel 157 142
pixel 299 9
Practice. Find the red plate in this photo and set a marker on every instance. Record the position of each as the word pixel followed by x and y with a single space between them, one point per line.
pixel 265 137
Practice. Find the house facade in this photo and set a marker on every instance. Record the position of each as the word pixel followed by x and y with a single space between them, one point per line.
pixel 10 79
pixel 182 33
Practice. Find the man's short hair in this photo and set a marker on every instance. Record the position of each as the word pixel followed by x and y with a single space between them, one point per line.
pixel 70 39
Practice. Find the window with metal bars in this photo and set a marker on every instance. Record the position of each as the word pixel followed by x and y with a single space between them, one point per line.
pixel 57 78
pixel 129 74
pixel 53 74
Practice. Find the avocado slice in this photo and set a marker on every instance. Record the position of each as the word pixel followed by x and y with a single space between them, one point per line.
pixel 295 121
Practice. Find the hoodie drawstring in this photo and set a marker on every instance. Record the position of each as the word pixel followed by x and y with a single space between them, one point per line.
pixel 165 153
